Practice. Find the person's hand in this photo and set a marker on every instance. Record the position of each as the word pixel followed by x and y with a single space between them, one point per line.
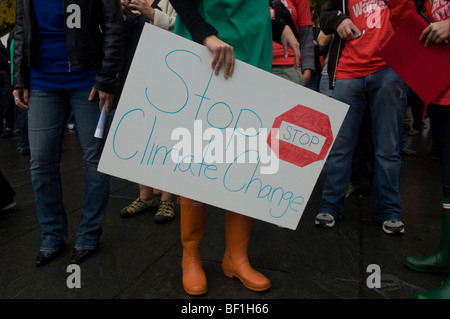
pixel 323 39
pixel 223 54
pixel 21 97
pixel 347 30
pixel 289 40
pixel 105 99
pixel 437 32
pixel 125 8
pixel 144 7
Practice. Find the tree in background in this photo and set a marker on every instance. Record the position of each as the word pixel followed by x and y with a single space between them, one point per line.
pixel 7 16
pixel 316 8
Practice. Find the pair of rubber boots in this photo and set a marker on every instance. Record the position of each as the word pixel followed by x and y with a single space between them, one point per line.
pixel 235 261
pixel 439 261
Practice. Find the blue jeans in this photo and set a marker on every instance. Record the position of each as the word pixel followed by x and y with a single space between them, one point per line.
pixel 324 86
pixel 385 94
pixel 47 116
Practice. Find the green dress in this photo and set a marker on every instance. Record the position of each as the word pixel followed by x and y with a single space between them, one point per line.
pixel 243 24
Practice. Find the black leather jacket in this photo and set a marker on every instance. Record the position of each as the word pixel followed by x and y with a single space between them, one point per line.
pixel 97 43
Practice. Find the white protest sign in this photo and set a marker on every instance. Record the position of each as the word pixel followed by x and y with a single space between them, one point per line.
pixel 254 144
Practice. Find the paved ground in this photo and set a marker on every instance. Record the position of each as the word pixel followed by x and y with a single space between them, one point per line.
pixel 139 259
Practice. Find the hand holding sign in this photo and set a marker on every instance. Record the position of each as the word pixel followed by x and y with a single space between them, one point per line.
pixel 223 54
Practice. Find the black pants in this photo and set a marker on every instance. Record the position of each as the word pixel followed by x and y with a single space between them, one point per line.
pixel 8 113
pixel 6 192
pixel 440 130
pixel 417 108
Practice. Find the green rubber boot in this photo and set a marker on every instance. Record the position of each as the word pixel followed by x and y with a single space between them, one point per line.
pixel 443 292
pixel 439 261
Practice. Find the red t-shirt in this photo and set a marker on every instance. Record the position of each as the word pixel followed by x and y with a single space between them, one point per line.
pixel 301 16
pixel 361 57
pixel 400 9
pixel 439 10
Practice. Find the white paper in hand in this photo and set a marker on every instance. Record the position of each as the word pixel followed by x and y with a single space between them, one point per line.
pixel 101 124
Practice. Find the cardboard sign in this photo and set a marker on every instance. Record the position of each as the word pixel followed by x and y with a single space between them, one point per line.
pixel 235 143
pixel 425 70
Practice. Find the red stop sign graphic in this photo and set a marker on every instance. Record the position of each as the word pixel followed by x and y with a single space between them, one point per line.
pixel 302 136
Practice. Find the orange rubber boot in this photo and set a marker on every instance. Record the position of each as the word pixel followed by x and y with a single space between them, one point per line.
pixel 192 220
pixel 235 261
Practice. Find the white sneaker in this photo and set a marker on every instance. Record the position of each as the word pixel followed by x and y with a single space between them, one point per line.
pixel 324 220
pixel 393 227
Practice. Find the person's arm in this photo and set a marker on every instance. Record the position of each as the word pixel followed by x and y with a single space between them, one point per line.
pixel 112 37
pixel 107 80
pixel 197 26
pixel 323 39
pixel 332 16
pixel 21 71
pixel 223 54
pixel 305 38
pixel 20 63
pixel 204 33
pixel 289 40
pixel 333 20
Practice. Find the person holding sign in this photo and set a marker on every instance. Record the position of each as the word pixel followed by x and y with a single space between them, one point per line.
pixel 221 26
pixel 363 80
pixel 437 33
pixel 66 56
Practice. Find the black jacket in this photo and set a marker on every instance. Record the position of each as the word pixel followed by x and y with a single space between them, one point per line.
pixel 4 65
pixel 333 14
pixel 330 18
pixel 97 43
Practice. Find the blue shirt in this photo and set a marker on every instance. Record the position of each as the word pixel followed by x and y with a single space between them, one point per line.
pixel 52 71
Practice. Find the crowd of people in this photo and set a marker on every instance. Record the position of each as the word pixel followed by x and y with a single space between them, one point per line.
pixel 63 64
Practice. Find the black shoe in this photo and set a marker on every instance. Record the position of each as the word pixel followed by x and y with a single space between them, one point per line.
pixel 433 156
pixel 44 257
pixel 24 152
pixel 79 255
pixel 408 152
pixel 8 133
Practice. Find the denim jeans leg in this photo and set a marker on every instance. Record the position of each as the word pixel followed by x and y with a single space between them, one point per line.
pixel 339 163
pixel 46 127
pixel 96 192
pixel 388 100
pixel 324 86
